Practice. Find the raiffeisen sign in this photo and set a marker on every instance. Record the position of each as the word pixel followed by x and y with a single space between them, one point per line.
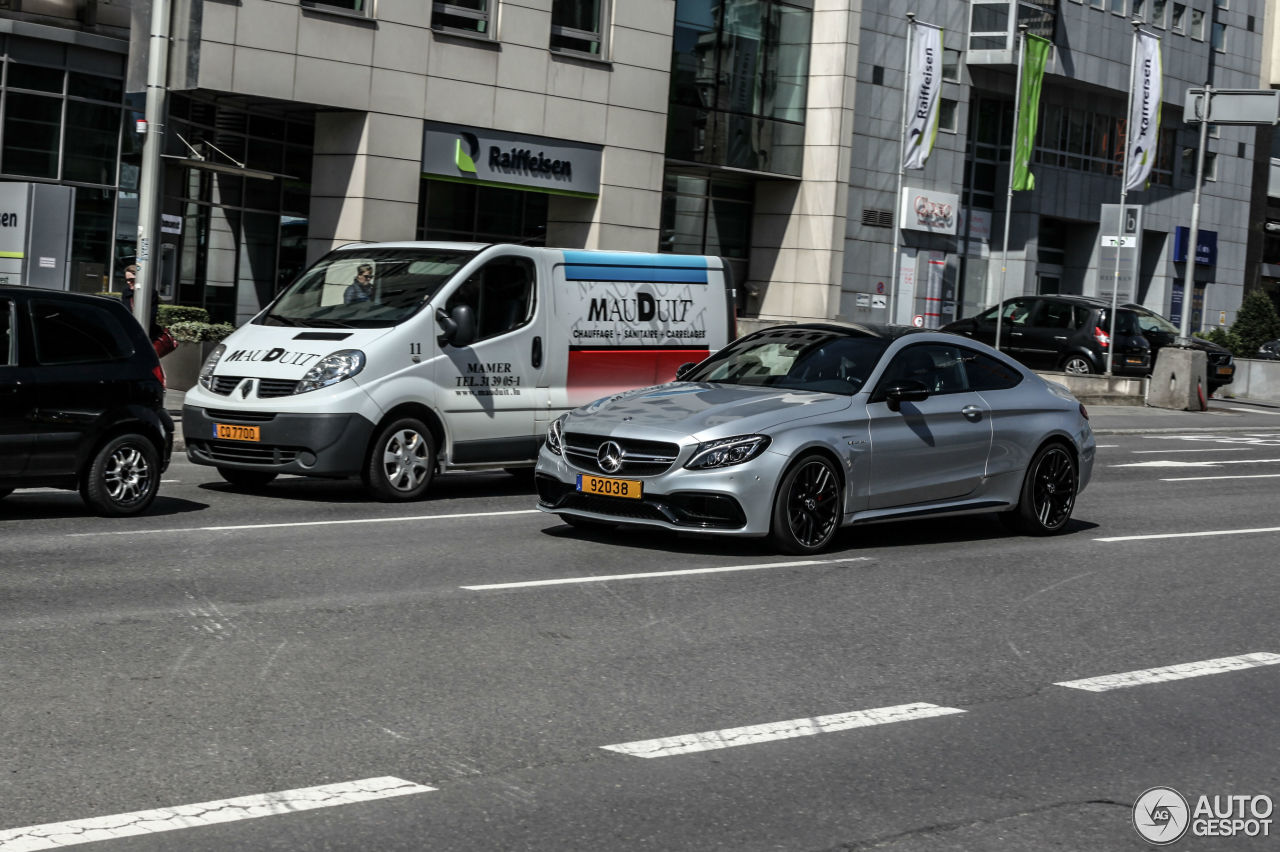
pixel 516 161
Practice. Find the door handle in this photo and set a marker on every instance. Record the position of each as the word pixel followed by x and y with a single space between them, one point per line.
pixel 536 356
pixel 1059 337
pixel 1015 334
pixel 972 412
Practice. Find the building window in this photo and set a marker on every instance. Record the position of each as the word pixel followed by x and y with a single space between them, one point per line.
pixel 1219 36
pixel 470 17
pixel 1179 23
pixel 947 112
pixel 578 26
pixel 1197 24
pixel 1139 10
pixel 705 215
pixel 993 24
pixel 1189 164
pixel 358 7
pixel 1159 9
pixel 469 213
pixel 951 65
pixel 1117 7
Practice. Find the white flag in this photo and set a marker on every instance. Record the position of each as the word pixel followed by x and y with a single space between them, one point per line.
pixel 1144 111
pixel 924 80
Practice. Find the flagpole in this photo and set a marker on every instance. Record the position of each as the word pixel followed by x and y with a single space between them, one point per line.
pixel 1124 194
pixel 902 145
pixel 1013 165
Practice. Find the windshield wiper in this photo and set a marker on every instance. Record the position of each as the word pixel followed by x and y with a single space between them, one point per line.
pixel 327 323
pixel 282 320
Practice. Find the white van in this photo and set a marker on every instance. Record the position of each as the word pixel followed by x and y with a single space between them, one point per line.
pixel 392 361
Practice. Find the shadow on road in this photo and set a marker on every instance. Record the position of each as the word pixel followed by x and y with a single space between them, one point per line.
pixel 903 534
pixel 51 505
pixel 447 487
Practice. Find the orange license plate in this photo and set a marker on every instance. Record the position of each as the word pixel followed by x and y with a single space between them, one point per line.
pixel 232 432
pixel 608 487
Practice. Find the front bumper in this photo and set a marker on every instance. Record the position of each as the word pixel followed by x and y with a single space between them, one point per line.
pixel 735 500
pixel 332 445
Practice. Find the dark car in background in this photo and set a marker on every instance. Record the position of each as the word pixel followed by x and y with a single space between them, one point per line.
pixel 1269 351
pixel 81 400
pixel 1067 333
pixel 1220 369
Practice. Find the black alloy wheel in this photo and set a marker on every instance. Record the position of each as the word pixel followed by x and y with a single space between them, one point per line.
pixel 1048 492
pixel 806 512
pixel 123 476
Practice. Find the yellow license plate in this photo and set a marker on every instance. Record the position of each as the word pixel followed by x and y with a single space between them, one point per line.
pixel 606 487
pixel 1225 371
pixel 232 432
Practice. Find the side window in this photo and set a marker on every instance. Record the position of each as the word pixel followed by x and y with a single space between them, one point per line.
pixel 985 373
pixel 501 295
pixel 939 367
pixel 77 333
pixel 1019 312
pixel 462 16
pixel 1054 314
pixel 8 341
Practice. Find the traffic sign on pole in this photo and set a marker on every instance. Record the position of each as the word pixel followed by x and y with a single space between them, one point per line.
pixel 1233 106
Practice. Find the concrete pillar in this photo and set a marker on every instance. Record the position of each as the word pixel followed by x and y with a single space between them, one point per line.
pixel 1178 380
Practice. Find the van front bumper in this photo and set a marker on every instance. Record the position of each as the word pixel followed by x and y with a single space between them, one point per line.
pixel 305 444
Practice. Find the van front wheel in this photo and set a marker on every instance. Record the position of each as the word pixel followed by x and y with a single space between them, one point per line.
pixel 402 461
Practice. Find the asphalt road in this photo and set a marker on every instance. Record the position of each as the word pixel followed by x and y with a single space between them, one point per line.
pixel 456 675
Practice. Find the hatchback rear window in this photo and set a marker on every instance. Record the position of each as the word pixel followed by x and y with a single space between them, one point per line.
pixel 77 333
pixel 1126 322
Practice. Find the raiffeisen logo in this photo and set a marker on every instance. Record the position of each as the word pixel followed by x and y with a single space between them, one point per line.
pixel 466 160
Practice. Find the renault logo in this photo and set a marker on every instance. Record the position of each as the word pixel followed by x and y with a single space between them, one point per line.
pixel 246 388
pixel 609 457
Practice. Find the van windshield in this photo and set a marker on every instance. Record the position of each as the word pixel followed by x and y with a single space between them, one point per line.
pixel 372 288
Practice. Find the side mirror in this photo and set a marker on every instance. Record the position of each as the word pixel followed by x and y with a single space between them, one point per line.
pixel 458 327
pixel 684 369
pixel 905 390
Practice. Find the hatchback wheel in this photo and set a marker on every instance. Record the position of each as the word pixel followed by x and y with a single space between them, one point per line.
pixel 1077 365
pixel 806 512
pixel 246 478
pixel 123 476
pixel 1048 493
pixel 402 462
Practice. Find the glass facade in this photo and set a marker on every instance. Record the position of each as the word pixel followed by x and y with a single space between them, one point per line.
pixel 739 79
pixel 63 114
pixel 467 212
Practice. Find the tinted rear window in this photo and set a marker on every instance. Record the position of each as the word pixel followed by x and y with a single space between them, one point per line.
pixel 77 333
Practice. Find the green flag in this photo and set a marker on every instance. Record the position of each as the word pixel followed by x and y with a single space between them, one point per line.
pixel 1035 52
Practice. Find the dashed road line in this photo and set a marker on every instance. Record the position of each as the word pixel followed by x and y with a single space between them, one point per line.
pixel 1216 462
pixel 1225 476
pixel 59 834
pixel 331 523
pixel 1142 677
pixel 1202 534
pixel 752 734
pixel 609 578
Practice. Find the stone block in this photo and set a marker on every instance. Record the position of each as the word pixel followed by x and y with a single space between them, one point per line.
pixel 1179 380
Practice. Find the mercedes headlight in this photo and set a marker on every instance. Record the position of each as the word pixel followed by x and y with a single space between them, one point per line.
pixel 206 372
pixel 727 452
pixel 332 369
pixel 555 436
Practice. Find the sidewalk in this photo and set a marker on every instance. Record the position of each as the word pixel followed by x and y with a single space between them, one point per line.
pixel 1224 415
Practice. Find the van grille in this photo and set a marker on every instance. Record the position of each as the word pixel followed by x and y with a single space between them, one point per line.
pixel 639 458
pixel 267 388
pixel 221 416
pixel 225 451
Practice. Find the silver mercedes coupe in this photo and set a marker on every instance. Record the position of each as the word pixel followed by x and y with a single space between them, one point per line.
pixel 795 431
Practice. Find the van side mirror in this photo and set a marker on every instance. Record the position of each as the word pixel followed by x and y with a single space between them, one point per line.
pixel 458 327
pixel 684 369
pixel 905 390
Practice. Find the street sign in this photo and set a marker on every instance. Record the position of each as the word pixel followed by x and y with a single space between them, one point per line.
pixel 1233 106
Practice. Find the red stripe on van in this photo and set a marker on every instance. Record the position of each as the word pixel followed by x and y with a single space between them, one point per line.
pixel 594 373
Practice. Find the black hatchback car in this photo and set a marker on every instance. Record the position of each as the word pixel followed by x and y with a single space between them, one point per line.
pixel 1067 333
pixel 81 400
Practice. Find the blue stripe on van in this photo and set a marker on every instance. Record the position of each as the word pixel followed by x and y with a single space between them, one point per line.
pixel 621 266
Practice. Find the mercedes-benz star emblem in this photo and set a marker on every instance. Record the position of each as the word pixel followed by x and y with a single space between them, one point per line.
pixel 609 457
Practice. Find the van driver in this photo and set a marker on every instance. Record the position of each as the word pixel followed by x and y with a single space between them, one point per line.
pixel 361 289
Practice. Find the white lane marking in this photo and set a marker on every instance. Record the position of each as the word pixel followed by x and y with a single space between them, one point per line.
pixel 1171 463
pixel 1196 450
pixel 1206 478
pixel 1143 677
pixel 1106 446
pixel 333 523
pixel 1252 410
pixel 1204 534
pixel 527 584
pixel 58 834
pixel 729 737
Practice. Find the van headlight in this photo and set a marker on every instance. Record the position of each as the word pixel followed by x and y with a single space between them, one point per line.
pixel 206 372
pixel 727 451
pixel 555 436
pixel 332 369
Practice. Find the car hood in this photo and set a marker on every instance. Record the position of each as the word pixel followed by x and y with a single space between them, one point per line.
pixel 702 411
pixel 279 352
